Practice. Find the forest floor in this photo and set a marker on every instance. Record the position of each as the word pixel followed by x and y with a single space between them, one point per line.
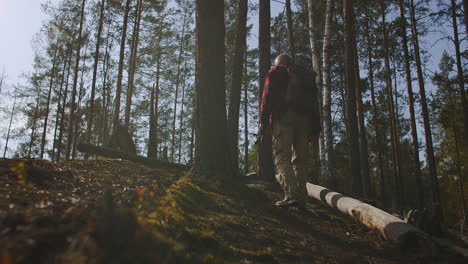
pixel 112 211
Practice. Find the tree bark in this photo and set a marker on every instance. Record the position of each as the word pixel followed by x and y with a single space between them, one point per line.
pixel 391 227
pixel 236 85
pixel 93 85
pixel 465 14
pixel 353 140
pixel 292 50
pixel 133 63
pixel 59 106
pixel 461 82
pixel 51 84
pixel 152 150
pixel 118 92
pixel 177 84
pixel 64 103
pixel 378 137
pixel 366 186
pixel 398 186
pixel 414 132
pixel 427 127
pixel 313 36
pixel 458 160
pixel 9 126
pixel 329 162
pixel 265 149
pixel 211 157
pixel 71 123
pixel 246 118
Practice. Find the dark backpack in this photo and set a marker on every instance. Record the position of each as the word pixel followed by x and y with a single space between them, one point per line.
pixel 301 94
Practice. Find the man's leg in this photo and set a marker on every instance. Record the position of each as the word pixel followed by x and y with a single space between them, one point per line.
pixel 300 155
pixel 282 142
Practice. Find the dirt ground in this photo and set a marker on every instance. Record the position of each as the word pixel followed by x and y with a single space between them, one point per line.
pixel 112 211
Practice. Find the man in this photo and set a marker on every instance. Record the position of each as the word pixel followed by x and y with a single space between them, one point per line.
pixel 289 108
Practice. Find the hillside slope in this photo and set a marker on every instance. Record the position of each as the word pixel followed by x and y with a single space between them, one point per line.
pixel 111 211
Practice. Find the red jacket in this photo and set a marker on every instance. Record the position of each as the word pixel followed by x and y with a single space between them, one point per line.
pixel 274 105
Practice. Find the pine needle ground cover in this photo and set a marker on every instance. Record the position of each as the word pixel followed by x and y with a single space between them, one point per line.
pixel 111 211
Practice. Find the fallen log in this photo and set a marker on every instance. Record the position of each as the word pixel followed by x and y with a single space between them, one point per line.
pixel 390 226
pixel 113 153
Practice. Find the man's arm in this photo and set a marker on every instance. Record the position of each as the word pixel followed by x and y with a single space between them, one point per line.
pixel 266 104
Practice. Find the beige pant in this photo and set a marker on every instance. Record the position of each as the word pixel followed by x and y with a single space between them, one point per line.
pixel 290 146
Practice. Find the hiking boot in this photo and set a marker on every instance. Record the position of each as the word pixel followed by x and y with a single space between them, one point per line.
pixel 287 202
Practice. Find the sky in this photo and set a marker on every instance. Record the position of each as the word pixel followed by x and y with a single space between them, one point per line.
pixel 19 21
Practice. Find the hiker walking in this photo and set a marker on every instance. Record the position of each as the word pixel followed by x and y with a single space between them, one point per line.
pixel 290 109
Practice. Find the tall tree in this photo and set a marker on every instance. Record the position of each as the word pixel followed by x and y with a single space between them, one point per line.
pixel 316 65
pixel 182 44
pixel 425 113
pixel 465 14
pixel 133 63
pixel 398 184
pixel 362 133
pixel 236 85
pixel 414 132
pixel 246 117
pixel 375 122
pixel 71 123
pixel 329 165
pixel 265 149
pixel 461 81
pixel 292 50
pixel 49 95
pixel 95 68
pixel 353 140
pixel 211 99
pixel 118 92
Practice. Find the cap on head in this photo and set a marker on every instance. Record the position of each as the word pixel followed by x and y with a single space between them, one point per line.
pixel 283 59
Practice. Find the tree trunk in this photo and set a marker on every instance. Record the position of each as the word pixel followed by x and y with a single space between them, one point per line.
pixel 211 99
pixel 292 50
pixel 414 132
pixel 93 85
pixel 33 129
pixel 181 116
pixel 79 114
pixel 329 162
pixel 389 226
pixel 427 127
pixel 106 91
pixel 71 123
pixel 378 137
pixel 398 186
pixel 458 161
pixel 461 82
pixel 265 149
pixel 179 63
pixel 51 84
pixel 133 63
pixel 152 126
pixel 9 126
pixel 246 118
pixel 353 140
pixel 64 104
pixel 366 186
pixel 118 92
pixel 236 85
pixel 316 67
pixel 465 14
pixel 59 106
